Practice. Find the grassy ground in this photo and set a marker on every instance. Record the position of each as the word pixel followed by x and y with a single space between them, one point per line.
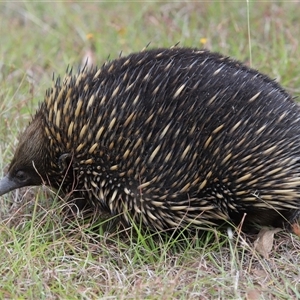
pixel 43 257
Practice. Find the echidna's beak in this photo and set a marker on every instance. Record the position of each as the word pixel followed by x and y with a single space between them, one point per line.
pixel 7 185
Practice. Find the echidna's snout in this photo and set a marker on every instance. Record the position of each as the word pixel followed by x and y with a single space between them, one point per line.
pixel 8 184
pixel 19 179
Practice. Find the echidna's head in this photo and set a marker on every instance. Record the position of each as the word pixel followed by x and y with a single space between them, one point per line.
pixel 28 165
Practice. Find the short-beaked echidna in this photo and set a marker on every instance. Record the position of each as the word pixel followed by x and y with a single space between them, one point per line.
pixel 169 138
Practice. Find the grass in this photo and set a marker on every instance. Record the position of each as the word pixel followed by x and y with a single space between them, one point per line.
pixel 43 256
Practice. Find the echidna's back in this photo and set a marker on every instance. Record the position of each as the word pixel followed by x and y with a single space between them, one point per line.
pixel 180 135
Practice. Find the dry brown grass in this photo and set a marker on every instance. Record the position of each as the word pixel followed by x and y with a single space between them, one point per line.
pixel 43 255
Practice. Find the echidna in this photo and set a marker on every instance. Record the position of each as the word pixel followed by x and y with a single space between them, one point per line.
pixel 169 138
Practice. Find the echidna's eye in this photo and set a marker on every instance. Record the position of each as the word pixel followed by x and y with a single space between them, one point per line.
pixel 21 176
